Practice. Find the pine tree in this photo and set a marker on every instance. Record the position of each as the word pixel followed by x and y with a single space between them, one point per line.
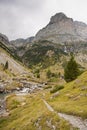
pixel 6 65
pixel 71 70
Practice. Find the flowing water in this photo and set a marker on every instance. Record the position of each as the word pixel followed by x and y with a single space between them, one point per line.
pixel 2 104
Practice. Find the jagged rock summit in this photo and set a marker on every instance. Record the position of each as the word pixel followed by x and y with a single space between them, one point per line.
pixel 58 17
pixel 63 29
pixel 4 38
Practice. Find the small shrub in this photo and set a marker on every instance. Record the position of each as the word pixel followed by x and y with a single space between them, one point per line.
pixel 47 87
pixel 38 75
pixel 53 79
pixel 36 71
pixel 15 104
pixel 56 88
pixel 49 74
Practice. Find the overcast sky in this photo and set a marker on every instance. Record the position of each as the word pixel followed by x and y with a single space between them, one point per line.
pixel 24 18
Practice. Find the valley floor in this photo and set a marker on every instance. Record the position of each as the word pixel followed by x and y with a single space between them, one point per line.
pixel 28 112
pixel 43 110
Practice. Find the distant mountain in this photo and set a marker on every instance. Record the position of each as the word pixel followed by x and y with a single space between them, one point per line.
pixel 62 29
pixel 58 39
pixel 22 42
pixel 4 38
pixel 6 54
pixel 21 45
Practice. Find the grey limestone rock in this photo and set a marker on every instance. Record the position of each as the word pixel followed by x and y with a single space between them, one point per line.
pixel 62 29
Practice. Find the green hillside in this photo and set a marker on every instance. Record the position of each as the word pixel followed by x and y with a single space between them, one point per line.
pixel 44 53
pixel 73 98
pixel 30 113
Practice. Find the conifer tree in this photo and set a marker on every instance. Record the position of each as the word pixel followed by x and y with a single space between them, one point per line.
pixel 6 65
pixel 71 70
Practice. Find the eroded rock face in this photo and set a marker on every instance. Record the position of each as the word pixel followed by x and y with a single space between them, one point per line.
pixel 22 42
pixel 58 17
pixel 4 38
pixel 62 29
pixel 5 41
pixel 21 45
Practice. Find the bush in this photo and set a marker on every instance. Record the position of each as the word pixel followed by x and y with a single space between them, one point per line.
pixel 38 75
pixel 53 79
pixel 47 87
pixel 56 88
pixel 51 74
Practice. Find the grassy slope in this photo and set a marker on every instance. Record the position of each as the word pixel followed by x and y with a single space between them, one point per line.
pixel 15 69
pixel 73 98
pixel 30 113
pixel 15 66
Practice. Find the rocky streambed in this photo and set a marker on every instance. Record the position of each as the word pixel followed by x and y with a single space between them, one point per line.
pixel 3 111
pixel 27 87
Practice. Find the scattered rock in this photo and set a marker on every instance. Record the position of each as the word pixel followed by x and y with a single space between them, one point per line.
pixel 55 95
pixel 5 114
pixel 85 95
pixel 23 103
pixel 77 98
pixel 84 88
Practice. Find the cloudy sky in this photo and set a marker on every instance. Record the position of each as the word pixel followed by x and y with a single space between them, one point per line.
pixel 23 18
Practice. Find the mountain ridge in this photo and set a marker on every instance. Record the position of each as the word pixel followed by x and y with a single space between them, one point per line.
pixel 62 29
pixel 60 37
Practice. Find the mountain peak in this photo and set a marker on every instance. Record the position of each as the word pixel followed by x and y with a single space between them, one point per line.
pixel 58 17
pixel 62 29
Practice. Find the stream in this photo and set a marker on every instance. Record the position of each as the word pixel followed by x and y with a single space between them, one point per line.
pixel 28 87
pixel 3 111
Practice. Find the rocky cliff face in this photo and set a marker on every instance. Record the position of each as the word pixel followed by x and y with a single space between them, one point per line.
pixel 4 39
pixel 62 29
pixel 21 45
pixel 6 55
pixel 22 42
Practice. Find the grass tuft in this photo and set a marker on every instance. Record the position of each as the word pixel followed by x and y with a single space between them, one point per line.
pixel 56 88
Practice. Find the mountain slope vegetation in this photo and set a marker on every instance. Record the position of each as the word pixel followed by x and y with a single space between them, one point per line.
pixel 44 53
pixel 73 98
pixel 30 113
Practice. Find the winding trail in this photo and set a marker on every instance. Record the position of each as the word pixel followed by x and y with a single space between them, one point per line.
pixel 74 120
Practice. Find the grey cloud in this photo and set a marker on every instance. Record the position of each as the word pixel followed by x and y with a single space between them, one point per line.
pixel 30 4
pixel 19 16
pixel 23 18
